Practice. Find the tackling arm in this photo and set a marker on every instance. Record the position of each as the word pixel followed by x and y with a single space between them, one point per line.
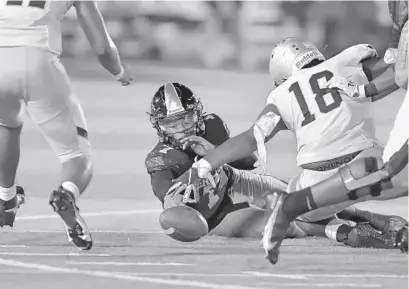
pixel 161 182
pixel 381 76
pixel 247 142
pixel 93 25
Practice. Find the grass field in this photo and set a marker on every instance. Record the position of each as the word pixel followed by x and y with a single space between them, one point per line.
pixel 130 251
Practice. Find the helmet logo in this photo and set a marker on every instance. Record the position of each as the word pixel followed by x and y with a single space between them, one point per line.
pixel 306 59
pixel 172 100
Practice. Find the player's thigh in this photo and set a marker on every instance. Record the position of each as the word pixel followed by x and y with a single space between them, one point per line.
pixel 326 212
pixel 308 178
pixel 56 110
pixel 248 223
pixel 12 85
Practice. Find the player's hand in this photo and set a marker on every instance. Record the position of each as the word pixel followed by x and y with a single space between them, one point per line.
pixel 171 200
pixel 391 55
pixel 352 90
pixel 189 183
pixel 199 145
pixel 125 77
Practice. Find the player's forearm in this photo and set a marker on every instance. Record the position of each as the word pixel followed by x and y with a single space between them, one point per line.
pixel 92 23
pixel 233 149
pixel 381 86
pixel 374 67
pixel 246 163
pixel 109 59
pixel 161 181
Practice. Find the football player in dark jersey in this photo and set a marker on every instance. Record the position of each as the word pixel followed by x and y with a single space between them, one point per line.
pixel 186 133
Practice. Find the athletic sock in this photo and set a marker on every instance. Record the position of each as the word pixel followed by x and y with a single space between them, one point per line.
pixel 70 186
pixel 6 194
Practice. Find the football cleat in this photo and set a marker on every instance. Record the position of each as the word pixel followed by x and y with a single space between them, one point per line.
pixel 276 226
pixel 363 235
pixel 63 203
pixel 402 239
pixel 8 209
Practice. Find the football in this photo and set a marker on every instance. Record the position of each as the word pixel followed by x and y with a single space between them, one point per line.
pixel 183 223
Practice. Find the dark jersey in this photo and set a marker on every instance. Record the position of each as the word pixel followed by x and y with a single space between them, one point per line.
pixel 165 163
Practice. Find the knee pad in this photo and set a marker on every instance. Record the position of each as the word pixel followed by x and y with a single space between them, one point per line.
pixel 81 149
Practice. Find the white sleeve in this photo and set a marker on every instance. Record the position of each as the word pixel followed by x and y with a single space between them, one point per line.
pixel 355 54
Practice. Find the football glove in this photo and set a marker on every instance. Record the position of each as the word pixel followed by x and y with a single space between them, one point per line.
pixel 188 184
pixel 352 90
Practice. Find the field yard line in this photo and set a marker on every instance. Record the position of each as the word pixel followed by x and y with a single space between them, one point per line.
pixel 242 275
pixel 14 246
pixel 263 274
pixel 325 285
pixel 92 231
pixel 53 254
pixel 127 263
pixel 99 214
pixel 119 276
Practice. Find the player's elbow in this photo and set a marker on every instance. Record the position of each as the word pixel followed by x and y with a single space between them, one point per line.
pixel 103 46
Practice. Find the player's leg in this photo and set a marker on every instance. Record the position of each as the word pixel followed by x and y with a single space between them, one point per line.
pixel 253 187
pixel 356 180
pixel 12 89
pixel 58 114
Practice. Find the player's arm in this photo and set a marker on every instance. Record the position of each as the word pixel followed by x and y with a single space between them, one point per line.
pixel 381 86
pixel 378 72
pixel 243 144
pixel 380 75
pixel 245 163
pixel 92 23
pixel 161 182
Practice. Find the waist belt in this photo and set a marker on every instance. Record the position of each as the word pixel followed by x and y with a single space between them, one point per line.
pixel 330 164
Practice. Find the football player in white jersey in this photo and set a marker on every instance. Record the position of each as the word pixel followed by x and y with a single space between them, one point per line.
pixel 331 130
pixel 32 75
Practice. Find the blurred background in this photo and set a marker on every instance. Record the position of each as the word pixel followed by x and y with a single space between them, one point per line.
pixel 234 35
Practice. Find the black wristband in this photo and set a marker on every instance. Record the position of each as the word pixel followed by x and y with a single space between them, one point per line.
pixel 370 90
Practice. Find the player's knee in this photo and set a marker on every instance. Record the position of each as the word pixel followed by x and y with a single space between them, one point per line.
pixel 78 170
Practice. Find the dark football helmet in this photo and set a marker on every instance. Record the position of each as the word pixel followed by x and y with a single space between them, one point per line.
pixel 176 112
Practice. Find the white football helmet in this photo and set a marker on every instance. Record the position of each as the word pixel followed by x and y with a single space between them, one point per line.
pixel 289 56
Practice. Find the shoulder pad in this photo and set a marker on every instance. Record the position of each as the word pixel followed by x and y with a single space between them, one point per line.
pixel 216 130
pixel 356 54
pixel 215 120
pixel 163 157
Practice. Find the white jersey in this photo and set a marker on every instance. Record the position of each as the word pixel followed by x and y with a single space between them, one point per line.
pixel 327 124
pixel 32 23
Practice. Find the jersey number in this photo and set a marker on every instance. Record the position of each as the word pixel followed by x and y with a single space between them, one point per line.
pixel 37 4
pixel 319 96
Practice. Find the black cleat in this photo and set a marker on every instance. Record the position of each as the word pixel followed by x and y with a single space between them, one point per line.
pixel 402 239
pixel 63 203
pixel 8 209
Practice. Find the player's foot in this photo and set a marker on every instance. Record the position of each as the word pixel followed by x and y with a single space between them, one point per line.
pixel 63 203
pixel 8 209
pixel 402 239
pixel 394 224
pixel 276 226
pixel 364 235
